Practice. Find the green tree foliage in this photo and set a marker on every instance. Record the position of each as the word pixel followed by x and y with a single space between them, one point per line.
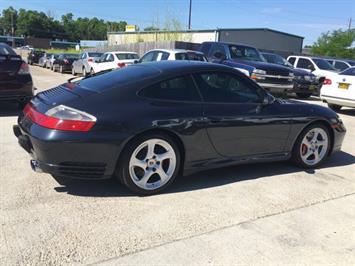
pixel 337 43
pixel 38 24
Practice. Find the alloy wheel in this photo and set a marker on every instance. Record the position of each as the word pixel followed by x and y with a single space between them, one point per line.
pixel 314 146
pixel 152 164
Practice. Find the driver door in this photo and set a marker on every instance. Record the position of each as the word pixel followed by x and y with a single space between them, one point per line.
pixel 238 121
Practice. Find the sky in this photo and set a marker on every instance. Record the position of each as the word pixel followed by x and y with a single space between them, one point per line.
pixel 307 18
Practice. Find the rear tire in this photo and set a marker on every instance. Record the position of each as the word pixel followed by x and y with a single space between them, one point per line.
pixel 149 164
pixel 61 70
pixel 303 95
pixel 312 146
pixel 73 71
pixel 334 107
pixel 84 72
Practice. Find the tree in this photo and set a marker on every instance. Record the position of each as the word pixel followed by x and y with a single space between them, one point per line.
pixel 335 44
pixel 8 16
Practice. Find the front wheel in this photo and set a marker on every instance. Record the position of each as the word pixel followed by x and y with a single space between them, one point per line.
pixel 61 69
pixel 149 164
pixel 312 146
pixel 73 71
pixel 334 107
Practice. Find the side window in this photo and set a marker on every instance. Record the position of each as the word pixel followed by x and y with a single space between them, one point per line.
pixel 292 60
pixel 305 63
pixel 227 88
pixel 177 89
pixel 217 48
pixel 206 48
pixel 83 56
pixel 102 58
pixel 110 58
pixel 340 65
pixel 147 57
pixel 165 56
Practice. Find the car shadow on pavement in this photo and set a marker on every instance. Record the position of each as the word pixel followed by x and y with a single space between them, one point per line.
pixel 200 180
pixel 9 109
pixel 348 111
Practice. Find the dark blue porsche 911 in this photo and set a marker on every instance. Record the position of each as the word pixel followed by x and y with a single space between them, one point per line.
pixel 148 123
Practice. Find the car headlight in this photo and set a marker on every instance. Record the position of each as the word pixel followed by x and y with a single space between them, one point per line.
pixel 291 74
pixel 259 72
pixel 307 77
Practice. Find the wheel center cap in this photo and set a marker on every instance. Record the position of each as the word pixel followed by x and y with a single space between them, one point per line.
pixel 151 162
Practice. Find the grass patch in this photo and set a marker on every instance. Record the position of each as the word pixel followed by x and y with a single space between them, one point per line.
pixel 63 51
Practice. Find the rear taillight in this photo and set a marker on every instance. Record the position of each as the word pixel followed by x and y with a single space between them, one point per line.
pixel 121 64
pixel 66 61
pixel 61 117
pixel 327 82
pixel 24 69
pixel 90 60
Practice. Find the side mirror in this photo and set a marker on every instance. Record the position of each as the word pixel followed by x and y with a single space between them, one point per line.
pixel 136 61
pixel 268 99
pixel 219 55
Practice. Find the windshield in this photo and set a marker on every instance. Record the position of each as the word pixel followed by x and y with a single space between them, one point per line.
pixel 190 56
pixel 244 52
pixel 126 56
pixel 94 54
pixel 276 59
pixel 322 64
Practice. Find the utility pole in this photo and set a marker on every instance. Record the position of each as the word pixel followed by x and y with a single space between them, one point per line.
pixel 190 15
pixel 12 29
pixel 350 20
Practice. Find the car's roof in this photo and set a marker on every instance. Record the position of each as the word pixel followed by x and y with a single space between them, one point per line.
pixel 121 52
pixel 306 56
pixel 174 51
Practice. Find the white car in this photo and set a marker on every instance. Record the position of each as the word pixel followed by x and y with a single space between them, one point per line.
pixel 84 64
pixel 113 60
pixel 172 54
pixel 317 66
pixel 340 91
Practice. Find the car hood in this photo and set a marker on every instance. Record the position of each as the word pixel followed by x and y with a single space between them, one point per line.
pixel 301 72
pixel 265 66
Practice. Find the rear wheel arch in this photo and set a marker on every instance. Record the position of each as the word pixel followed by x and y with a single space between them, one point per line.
pixel 166 132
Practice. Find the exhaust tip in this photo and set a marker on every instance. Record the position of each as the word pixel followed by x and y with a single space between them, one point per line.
pixel 35 166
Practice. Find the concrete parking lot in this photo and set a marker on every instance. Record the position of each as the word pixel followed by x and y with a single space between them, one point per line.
pixel 271 213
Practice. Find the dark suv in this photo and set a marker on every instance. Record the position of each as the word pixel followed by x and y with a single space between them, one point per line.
pixel 305 83
pixel 248 60
pixel 15 78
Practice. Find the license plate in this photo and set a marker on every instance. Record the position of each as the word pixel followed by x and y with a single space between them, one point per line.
pixel 312 87
pixel 344 86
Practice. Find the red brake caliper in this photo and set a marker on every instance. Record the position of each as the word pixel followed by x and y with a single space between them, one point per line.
pixel 304 149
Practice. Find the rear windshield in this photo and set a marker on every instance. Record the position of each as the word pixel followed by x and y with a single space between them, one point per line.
pixel 190 56
pixel 6 50
pixel 115 78
pixel 127 56
pixel 71 56
pixel 322 64
pixel 348 72
pixel 95 54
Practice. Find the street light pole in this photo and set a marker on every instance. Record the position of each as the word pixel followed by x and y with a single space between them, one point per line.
pixel 12 29
pixel 190 15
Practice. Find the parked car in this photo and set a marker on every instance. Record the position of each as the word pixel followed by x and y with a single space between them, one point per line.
pixel 249 61
pixel 42 62
pixel 64 62
pixel 318 66
pixel 85 63
pixel 305 83
pixel 147 123
pixel 341 64
pixel 51 60
pixel 34 56
pixel 340 91
pixel 172 54
pixel 113 60
pixel 15 78
pixel 26 48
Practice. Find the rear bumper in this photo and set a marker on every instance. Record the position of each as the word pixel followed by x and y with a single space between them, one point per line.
pixel 338 101
pixel 69 155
